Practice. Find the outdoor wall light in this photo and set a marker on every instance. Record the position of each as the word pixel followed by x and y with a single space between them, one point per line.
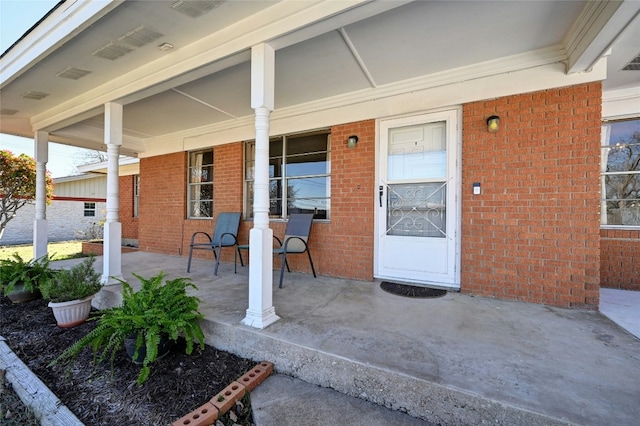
pixel 493 123
pixel 352 141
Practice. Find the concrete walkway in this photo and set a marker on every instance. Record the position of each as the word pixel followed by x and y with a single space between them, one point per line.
pixel 622 307
pixel 457 359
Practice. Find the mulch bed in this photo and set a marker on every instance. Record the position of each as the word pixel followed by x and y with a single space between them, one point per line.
pixel 99 396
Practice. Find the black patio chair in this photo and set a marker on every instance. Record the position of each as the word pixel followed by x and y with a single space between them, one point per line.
pixel 225 234
pixel 296 241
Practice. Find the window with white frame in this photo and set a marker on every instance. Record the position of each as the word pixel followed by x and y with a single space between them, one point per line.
pixel 299 175
pixel 89 209
pixel 136 195
pixel 620 173
pixel 200 184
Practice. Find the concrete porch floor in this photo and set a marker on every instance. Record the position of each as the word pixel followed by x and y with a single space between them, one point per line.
pixel 457 359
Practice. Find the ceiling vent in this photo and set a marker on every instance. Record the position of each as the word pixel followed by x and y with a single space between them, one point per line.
pixel 112 51
pixel 195 8
pixel 73 73
pixel 633 65
pixel 6 111
pixel 34 95
pixel 140 36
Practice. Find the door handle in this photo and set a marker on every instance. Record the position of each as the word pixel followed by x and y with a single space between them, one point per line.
pixel 381 189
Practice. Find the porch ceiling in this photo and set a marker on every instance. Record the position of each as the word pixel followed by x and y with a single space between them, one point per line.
pixel 324 49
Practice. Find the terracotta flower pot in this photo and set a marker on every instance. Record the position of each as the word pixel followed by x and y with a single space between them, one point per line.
pixel 73 312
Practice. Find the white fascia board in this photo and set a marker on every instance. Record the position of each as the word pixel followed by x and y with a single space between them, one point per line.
pixel 73 178
pixel 64 23
pixel 101 167
pixel 276 21
pixel 455 87
pixel 621 104
pixel 595 30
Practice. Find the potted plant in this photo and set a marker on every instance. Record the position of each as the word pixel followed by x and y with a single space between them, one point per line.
pixel 20 280
pixel 160 308
pixel 70 292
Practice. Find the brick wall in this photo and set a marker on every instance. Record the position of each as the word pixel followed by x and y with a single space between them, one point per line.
pixel 129 222
pixel 162 203
pixel 619 259
pixel 533 233
pixel 342 247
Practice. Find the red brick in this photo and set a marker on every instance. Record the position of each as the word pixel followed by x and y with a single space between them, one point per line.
pixel 256 375
pixel 204 415
pixel 228 396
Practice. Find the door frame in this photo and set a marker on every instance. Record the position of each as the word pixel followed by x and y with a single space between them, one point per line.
pixel 453 116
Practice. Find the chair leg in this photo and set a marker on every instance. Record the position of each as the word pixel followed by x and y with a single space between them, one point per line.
pixel 217 256
pixel 284 262
pixel 240 254
pixel 311 262
pixel 189 263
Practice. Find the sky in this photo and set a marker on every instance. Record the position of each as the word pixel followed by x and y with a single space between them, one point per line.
pixel 16 17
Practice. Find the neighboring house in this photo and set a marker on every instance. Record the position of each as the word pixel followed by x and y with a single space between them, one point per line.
pixel 373 116
pixel 77 211
pixel 129 194
pixel 78 208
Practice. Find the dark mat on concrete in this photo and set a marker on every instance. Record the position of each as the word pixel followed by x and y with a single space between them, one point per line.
pixel 411 290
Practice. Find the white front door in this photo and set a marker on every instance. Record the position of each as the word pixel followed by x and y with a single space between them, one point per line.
pixel 418 222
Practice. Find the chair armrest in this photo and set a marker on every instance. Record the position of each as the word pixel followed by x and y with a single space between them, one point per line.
pixel 193 237
pixel 278 240
pixel 235 239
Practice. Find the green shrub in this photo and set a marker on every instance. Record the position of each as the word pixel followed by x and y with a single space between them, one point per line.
pixel 73 284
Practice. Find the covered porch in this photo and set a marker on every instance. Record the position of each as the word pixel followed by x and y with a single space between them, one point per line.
pixel 454 359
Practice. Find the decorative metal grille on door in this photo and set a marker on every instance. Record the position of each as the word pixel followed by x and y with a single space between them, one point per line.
pixel 417 209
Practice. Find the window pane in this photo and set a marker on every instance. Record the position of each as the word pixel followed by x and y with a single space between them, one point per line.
pixel 318 206
pixel 308 187
pixel 305 144
pixel 418 152
pixel 200 185
pixel 275 198
pixel 301 157
pixel 275 167
pixel 201 209
pixel 305 165
pixel 307 155
pixel 249 160
pixel 621 173
pixel 309 195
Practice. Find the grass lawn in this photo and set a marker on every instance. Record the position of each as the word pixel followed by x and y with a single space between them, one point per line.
pixel 58 251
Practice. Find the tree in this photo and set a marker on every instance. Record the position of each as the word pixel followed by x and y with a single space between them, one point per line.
pixel 90 156
pixel 18 185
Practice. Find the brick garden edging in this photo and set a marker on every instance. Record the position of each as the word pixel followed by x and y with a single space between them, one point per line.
pixel 209 412
pixel 48 409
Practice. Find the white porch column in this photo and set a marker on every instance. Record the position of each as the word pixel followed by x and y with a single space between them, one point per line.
pixel 40 224
pixel 261 312
pixel 112 248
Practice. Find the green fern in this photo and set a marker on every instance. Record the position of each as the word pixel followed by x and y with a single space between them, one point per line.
pixel 16 271
pixel 159 307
